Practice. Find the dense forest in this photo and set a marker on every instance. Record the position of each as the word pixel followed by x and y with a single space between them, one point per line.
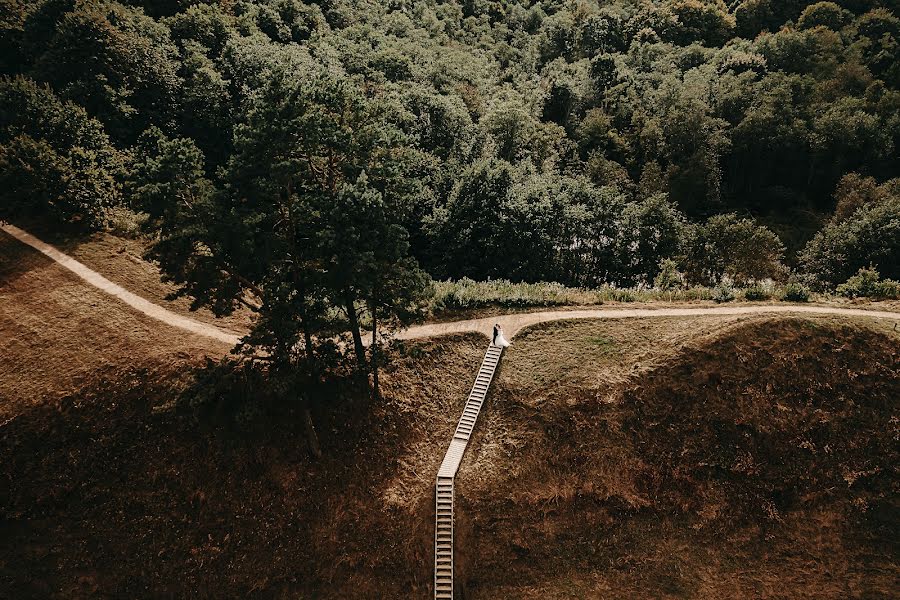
pixel 320 162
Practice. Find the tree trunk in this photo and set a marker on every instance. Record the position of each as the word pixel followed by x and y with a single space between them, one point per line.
pixel 376 393
pixel 307 339
pixel 354 329
pixel 312 437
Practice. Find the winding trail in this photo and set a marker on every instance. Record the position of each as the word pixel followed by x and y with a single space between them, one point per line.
pixel 511 323
pixel 444 490
pixel 136 302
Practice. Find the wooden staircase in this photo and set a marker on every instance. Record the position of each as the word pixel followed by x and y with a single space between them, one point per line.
pixel 443 539
pixel 443 526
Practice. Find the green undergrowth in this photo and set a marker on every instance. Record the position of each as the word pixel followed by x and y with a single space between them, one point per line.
pixel 467 294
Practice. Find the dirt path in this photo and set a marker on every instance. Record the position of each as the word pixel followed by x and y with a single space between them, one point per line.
pixel 136 302
pixel 511 324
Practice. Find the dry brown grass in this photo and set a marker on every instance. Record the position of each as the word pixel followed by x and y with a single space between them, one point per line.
pixel 568 490
pixel 57 333
pixel 607 485
pixel 121 261
pixel 108 489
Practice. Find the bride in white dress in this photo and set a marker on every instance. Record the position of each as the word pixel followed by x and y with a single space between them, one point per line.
pixel 499 339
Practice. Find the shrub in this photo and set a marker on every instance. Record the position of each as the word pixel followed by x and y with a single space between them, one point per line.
pixel 123 221
pixel 871 236
pixel 668 278
pixel 795 292
pixel 724 292
pixel 867 283
pixel 737 248
pixel 757 292
pixel 468 294
pixel 888 290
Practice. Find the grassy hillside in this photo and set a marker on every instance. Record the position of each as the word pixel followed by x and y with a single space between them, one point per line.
pixel 58 334
pixel 758 461
pixel 312 170
pixel 576 483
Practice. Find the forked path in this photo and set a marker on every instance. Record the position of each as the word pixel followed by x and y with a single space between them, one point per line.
pixel 510 323
pixel 444 491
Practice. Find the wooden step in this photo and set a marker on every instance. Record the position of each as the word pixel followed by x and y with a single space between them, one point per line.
pixel 443 521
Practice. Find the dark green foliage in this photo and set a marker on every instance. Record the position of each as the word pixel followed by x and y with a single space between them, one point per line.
pixel 867 283
pixel 521 224
pixel 54 159
pixel 756 293
pixel 289 20
pixel 12 33
pixel 824 14
pixel 724 292
pixel 879 33
pixel 668 278
pixel 871 236
pixel 467 229
pixel 168 184
pixel 204 24
pixel 601 33
pixel 705 21
pixel 648 231
pixel 546 140
pixel 113 61
pixel 729 247
pixel 307 227
pixel 795 292
pixel 854 191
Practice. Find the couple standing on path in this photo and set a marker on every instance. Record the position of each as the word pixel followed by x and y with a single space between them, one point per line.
pixel 499 340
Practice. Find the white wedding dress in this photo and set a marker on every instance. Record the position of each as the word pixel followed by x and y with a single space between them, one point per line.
pixel 500 341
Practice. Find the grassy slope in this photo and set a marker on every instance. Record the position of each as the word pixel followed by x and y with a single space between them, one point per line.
pixel 108 488
pixel 568 491
pixel 757 461
pixel 58 334
pixel 121 261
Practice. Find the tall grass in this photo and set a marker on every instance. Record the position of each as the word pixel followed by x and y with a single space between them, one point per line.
pixel 468 294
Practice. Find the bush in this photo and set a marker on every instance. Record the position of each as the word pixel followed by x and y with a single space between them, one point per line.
pixel 724 292
pixel 867 283
pixel 795 292
pixel 468 294
pixel 757 292
pixel 737 248
pixel 124 222
pixel 871 236
pixel 668 278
